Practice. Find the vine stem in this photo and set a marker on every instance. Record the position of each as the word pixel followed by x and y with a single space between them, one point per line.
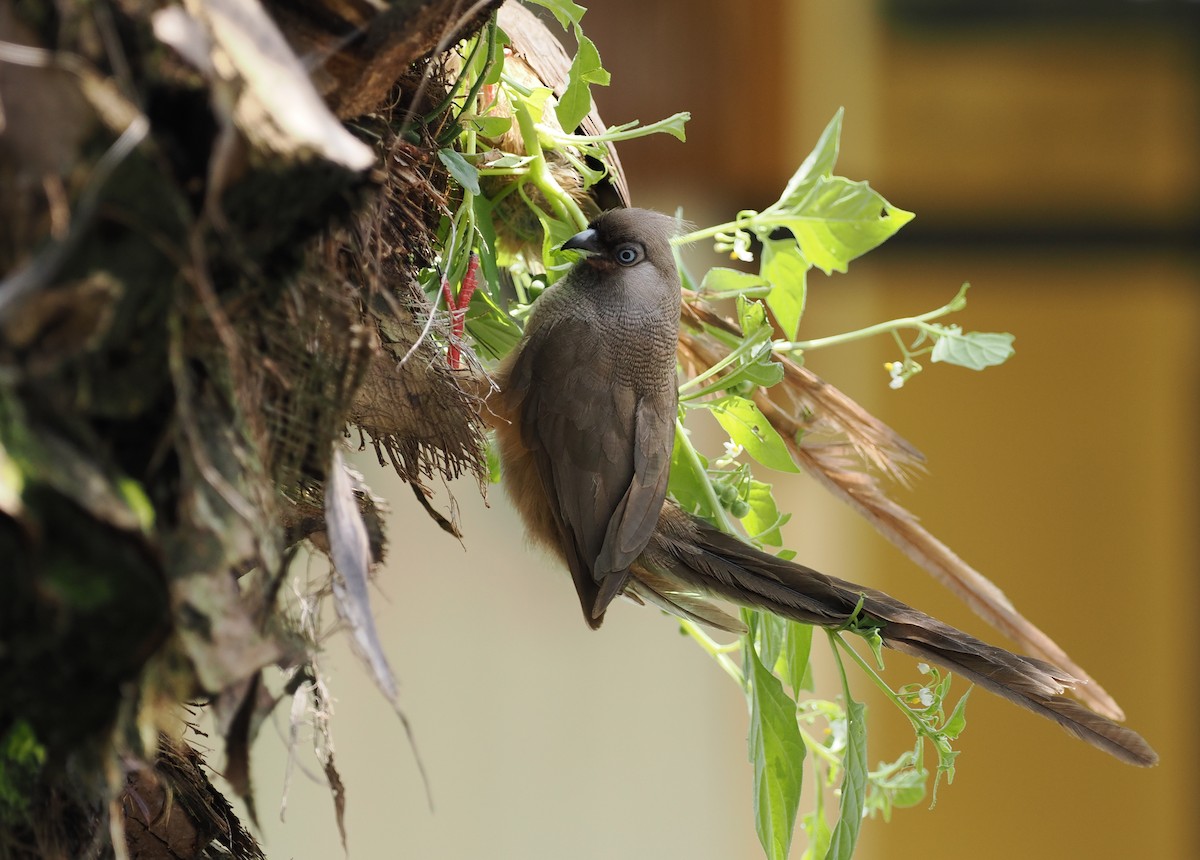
pixel 913 717
pixel 716 650
pixel 920 321
pixel 628 131
pixel 565 208
pixel 710 492
pixel 744 348
pixel 742 222
pixel 819 748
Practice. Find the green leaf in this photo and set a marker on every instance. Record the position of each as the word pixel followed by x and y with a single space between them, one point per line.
pixel 485 241
pixel 672 125
pixel 757 367
pixel 899 784
pixel 510 160
pixel 771 630
pixel 975 349
pixel 838 220
pixel 817 164
pixel 132 493
pixel 587 64
pixel 576 100
pixel 958 718
pixel 720 282
pixel 489 126
pixel 554 233
pixel 536 101
pixel 874 641
pixel 752 317
pixel 854 785
pixel 21 760
pixel 575 104
pixel 784 267
pixel 463 171
pixel 685 485
pixel 833 219
pixel 590 174
pixel 748 427
pixel 763 522
pixel 493 460
pixel 494 332
pixel 946 757
pixel 12 482
pixel 796 650
pixel 777 753
pixel 762 368
pixel 817 828
pixel 496 61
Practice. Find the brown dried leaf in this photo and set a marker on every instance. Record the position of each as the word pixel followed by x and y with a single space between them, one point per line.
pixel 266 90
pixel 338 790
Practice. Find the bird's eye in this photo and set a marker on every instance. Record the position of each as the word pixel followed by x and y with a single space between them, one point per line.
pixel 627 255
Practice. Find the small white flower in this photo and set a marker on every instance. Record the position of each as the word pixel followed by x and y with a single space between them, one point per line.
pixel 737 245
pixel 925 695
pixel 896 369
pixel 732 449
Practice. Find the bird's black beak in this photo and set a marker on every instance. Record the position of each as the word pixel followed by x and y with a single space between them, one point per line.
pixel 588 240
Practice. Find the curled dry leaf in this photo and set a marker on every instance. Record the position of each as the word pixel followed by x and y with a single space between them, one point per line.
pixel 350 550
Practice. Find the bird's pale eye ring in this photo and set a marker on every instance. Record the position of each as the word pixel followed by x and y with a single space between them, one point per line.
pixel 628 254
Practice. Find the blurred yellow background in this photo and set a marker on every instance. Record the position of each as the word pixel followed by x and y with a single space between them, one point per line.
pixel 1051 158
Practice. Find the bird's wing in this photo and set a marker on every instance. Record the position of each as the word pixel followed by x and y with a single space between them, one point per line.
pixel 636 515
pixel 600 453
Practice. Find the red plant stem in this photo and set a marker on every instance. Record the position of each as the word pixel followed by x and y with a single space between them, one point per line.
pixel 458 309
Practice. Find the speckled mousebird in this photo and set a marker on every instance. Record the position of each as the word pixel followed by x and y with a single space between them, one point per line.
pixel 585 419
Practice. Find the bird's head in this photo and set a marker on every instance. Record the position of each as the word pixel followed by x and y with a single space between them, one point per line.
pixel 627 239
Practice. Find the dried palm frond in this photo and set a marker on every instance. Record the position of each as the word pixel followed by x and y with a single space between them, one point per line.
pixel 847 450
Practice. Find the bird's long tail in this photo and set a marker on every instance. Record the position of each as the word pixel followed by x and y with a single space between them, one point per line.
pixel 697 556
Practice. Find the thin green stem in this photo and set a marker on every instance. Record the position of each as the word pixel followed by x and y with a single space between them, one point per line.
pixel 629 131
pixel 516 86
pixel 715 649
pixel 710 492
pixel 834 641
pixel 685 277
pixel 457 85
pixel 706 233
pixel 746 346
pixel 529 136
pixel 477 84
pixel 503 171
pixel 565 208
pixel 920 321
pixel 913 716
pixel 690 397
pixel 745 220
pixel 819 748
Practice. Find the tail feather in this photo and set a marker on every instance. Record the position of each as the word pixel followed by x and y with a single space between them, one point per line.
pixel 666 593
pixel 700 557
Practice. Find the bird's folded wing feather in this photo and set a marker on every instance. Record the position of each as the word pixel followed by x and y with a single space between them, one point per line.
pixel 605 489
